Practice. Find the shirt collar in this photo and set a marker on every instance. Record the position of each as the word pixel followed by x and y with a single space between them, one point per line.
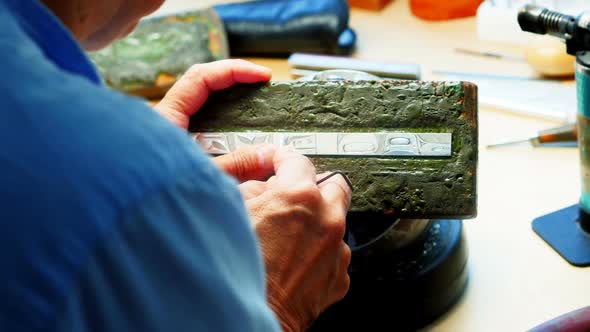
pixel 56 41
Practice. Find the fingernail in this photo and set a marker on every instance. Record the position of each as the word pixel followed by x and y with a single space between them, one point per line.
pixel 266 153
pixel 262 68
pixel 265 70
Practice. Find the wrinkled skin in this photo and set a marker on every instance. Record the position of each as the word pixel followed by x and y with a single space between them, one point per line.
pixel 95 24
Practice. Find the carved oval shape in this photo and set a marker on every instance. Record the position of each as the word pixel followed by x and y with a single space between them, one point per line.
pixel 399 141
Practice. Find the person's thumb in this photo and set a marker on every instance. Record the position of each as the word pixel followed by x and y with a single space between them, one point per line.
pixel 248 163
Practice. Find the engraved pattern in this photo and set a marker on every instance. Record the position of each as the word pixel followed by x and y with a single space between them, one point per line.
pixel 401 144
pixel 335 144
pixel 213 143
pixel 244 139
pixel 434 145
pixel 358 144
pixel 304 143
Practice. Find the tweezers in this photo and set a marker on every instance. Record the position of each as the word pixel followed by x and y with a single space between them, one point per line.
pixel 347 229
pixel 337 173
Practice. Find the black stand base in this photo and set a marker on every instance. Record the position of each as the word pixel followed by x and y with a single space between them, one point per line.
pixel 566 231
pixel 406 292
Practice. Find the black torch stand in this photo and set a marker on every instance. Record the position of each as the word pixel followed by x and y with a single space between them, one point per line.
pixel 404 289
pixel 568 232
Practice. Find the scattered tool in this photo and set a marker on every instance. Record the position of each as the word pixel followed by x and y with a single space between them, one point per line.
pixel 338 173
pixel 303 64
pixel 547 57
pixel 567 133
pixel 495 55
pixel 341 173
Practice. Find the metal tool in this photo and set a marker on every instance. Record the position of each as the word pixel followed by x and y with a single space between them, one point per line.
pixel 347 229
pixel 338 173
pixel 303 64
pixel 489 54
pixel 547 58
pixel 562 134
pixel 568 230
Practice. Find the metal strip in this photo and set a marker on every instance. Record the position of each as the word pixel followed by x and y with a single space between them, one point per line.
pixel 377 144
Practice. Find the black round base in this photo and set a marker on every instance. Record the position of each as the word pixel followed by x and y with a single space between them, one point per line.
pixel 405 292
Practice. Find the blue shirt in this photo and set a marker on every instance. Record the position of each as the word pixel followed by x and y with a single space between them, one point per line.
pixel 111 219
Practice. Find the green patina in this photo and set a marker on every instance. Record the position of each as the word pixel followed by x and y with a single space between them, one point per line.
pixel 164 45
pixel 404 187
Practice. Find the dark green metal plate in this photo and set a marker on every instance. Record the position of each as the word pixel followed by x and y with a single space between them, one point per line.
pixel 406 187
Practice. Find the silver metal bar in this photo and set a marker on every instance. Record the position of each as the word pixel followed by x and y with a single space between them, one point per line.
pixel 376 144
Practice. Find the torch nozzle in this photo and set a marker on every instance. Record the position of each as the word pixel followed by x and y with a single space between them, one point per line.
pixel 535 19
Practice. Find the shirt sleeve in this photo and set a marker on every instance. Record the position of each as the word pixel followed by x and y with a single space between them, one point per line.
pixel 183 260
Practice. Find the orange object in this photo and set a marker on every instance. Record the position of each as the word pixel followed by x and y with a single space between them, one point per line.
pixel 440 10
pixel 369 4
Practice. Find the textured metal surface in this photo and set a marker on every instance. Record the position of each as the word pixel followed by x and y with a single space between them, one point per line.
pixel 400 186
pixel 381 144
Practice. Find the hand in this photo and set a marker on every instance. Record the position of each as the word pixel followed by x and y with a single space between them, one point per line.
pixel 187 96
pixel 249 165
pixel 300 227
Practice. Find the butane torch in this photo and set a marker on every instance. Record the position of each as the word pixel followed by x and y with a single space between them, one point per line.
pixel 572 241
